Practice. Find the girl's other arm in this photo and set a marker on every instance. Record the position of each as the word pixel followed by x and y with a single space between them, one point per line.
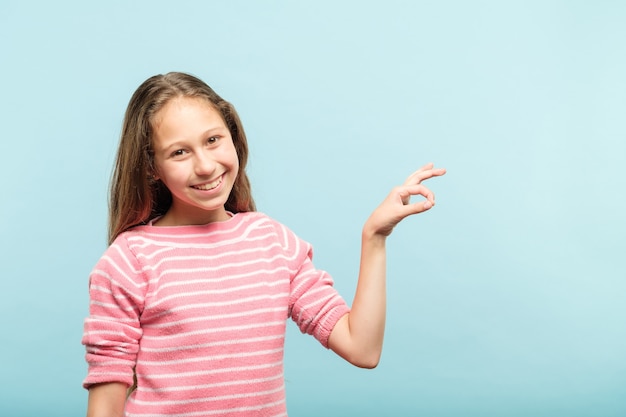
pixel 358 336
pixel 107 400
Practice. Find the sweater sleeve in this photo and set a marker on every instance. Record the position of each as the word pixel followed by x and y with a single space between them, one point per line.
pixel 314 303
pixel 112 330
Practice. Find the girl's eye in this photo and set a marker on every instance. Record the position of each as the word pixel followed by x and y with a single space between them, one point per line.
pixel 178 153
pixel 212 140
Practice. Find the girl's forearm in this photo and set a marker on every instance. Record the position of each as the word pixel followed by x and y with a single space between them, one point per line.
pixel 367 318
pixel 107 400
pixel 358 336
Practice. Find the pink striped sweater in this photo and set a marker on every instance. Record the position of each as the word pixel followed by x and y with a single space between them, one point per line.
pixel 201 311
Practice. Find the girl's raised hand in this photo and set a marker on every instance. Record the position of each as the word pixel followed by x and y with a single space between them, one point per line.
pixel 397 205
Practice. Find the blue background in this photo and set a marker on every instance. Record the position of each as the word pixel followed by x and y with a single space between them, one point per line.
pixel 507 299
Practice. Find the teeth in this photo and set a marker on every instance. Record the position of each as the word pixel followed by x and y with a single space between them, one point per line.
pixel 208 186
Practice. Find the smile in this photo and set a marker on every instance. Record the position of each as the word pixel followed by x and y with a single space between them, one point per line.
pixel 208 185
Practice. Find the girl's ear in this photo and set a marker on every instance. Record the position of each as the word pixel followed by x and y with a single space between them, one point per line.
pixel 153 173
pixel 153 176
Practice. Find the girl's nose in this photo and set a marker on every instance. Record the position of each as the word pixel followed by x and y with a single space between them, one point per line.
pixel 204 163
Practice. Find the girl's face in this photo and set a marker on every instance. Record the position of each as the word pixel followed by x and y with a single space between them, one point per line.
pixel 196 159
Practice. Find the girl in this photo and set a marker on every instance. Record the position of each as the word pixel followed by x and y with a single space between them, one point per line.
pixel 191 298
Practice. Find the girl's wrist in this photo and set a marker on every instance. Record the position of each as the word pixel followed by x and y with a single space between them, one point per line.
pixel 373 236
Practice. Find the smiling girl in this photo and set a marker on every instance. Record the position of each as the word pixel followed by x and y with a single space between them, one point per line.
pixel 192 296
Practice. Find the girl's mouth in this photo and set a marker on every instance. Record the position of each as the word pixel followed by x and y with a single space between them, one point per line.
pixel 209 185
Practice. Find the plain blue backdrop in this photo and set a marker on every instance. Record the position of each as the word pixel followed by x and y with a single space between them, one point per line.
pixel 508 299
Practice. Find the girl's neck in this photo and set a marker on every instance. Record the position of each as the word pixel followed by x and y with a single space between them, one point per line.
pixel 171 218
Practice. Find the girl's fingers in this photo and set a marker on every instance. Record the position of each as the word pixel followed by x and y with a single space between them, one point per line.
pixel 398 206
pixel 425 172
pixel 415 176
pixel 420 207
pixel 417 189
pixel 405 193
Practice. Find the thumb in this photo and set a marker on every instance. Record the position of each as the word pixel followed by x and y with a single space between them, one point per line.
pixel 419 207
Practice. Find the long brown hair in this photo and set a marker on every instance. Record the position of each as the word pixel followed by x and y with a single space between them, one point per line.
pixel 135 197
